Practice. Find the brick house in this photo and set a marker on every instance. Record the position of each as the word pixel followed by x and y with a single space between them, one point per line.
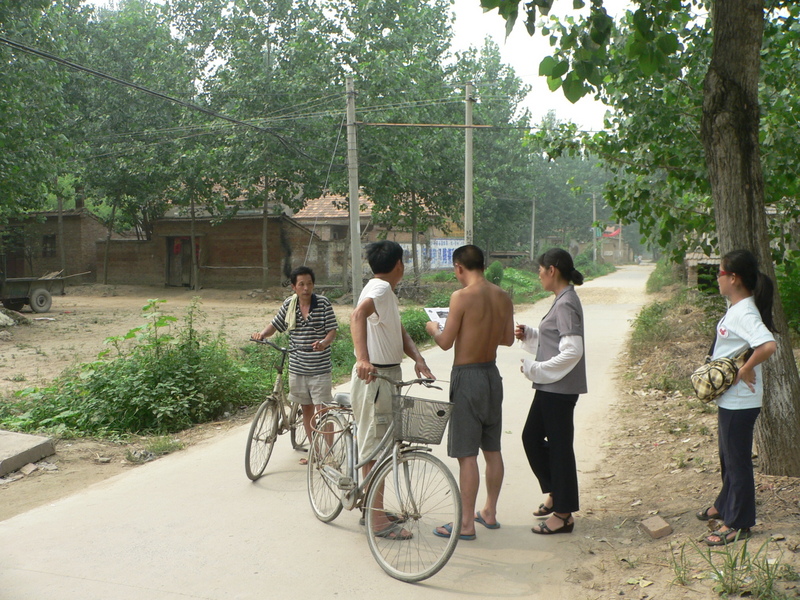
pixel 229 252
pixel 329 217
pixel 32 246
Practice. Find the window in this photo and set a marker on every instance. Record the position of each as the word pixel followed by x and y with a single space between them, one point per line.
pixel 48 245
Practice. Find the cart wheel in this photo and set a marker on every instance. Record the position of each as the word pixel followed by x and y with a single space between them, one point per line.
pixel 41 300
pixel 15 305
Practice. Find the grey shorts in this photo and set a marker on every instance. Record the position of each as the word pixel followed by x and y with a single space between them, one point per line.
pixel 476 422
pixel 310 389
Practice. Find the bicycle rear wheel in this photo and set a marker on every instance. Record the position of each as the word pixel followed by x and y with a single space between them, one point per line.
pixel 327 457
pixel 423 495
pixel 261 438
pixel 298 431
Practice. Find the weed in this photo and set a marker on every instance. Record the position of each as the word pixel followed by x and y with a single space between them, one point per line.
pixel 680 565
pixel 162 445
pixel 738 571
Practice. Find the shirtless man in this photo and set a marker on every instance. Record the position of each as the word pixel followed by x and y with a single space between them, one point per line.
pixel 481 318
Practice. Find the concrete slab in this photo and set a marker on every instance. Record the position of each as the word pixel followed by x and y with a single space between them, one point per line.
pixel 19 449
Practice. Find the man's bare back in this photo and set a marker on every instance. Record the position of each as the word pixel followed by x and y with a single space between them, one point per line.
pixel 487 320
pixel 481 318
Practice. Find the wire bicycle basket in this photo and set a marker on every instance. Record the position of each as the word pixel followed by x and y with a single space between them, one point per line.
pixel 420 420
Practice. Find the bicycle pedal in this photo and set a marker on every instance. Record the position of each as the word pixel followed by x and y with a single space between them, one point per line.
pixel 346 483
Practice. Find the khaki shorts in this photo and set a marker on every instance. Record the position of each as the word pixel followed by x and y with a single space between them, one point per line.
pixel 372 408
pixel 310 389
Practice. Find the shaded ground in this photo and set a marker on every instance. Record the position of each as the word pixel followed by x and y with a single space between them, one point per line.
pixel 660 459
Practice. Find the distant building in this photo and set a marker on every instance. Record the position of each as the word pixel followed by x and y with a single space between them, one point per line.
pixel 32 245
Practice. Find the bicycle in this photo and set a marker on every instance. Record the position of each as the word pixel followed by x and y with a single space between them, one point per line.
pixel 274 417
pixel 412 487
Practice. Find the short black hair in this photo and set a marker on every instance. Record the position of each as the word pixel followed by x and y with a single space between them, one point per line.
pixel 470 257
pixel 383 256
pixel 302 270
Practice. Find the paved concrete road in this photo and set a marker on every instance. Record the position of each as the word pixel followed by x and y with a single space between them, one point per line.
pixel 193 526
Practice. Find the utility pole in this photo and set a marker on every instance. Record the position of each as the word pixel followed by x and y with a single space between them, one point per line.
pixel 468 226
pixel 352 173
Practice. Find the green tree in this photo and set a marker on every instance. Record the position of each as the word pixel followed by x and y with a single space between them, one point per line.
pixel 270 64
pixel 132 141
pixel 504 171
pixel 396 52
pixel 33 147
pixel 658 37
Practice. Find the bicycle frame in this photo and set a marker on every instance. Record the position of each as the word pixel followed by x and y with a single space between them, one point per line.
pixel 387 448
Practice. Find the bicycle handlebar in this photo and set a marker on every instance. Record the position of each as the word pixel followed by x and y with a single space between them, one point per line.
pixel 426 381
pixel 288 350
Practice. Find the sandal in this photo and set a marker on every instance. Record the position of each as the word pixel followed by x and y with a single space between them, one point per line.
pixel 704 516
pixel 728 536
pixel 394 531
pixel 543 510
pixel 543 529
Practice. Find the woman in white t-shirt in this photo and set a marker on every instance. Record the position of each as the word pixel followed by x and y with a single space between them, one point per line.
pixel 747 324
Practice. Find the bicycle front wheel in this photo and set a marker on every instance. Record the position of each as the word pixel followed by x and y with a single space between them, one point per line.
pixel 261 438
pixel 298 431
pixel 326 464
pixel 420 495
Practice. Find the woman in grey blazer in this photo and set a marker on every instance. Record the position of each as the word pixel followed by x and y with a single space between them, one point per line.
pixel 559 375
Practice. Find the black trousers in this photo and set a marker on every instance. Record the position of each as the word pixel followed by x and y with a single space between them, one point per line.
pixel 547 438
pixel 736 502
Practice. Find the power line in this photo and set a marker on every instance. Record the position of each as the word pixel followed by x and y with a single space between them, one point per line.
pixel 94 72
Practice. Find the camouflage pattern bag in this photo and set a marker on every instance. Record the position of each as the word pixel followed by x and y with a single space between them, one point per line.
pixel 713 378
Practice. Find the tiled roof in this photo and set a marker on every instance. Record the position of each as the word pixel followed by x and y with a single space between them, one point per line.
pixel 324 208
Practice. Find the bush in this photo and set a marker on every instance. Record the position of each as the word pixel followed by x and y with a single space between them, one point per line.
pixel 663 275
pixel 522 285
pixel 584 262
pixel 414 321
pixel 342 354
pixel 164 383
pixel 439 298
pixel 494 272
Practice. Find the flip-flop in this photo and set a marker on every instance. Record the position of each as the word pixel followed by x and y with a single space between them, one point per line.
pixel 448 527
pixel 482 521
pixel 394 532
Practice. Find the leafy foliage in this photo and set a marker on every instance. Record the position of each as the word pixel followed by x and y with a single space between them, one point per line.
pixel 494 272
pixel 163 383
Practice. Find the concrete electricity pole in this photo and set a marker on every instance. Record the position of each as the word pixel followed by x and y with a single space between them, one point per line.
pixel 468 226
pixel 352 172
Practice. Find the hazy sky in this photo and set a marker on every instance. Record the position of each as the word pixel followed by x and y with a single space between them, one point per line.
pixel 524 53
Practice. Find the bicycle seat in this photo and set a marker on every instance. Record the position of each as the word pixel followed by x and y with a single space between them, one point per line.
pixel 342 399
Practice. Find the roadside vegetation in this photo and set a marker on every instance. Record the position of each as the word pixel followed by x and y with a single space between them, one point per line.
pixel 669 440
pixel 168 374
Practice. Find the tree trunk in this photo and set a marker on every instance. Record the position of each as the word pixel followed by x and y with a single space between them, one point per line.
pixel 108 240
pixel 62 249
pixel 730 128
pixel 195 268
pixel 414 238
pixel 264 241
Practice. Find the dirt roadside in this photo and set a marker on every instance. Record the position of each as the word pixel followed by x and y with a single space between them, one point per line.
pixel 73 332
pixel 660 460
